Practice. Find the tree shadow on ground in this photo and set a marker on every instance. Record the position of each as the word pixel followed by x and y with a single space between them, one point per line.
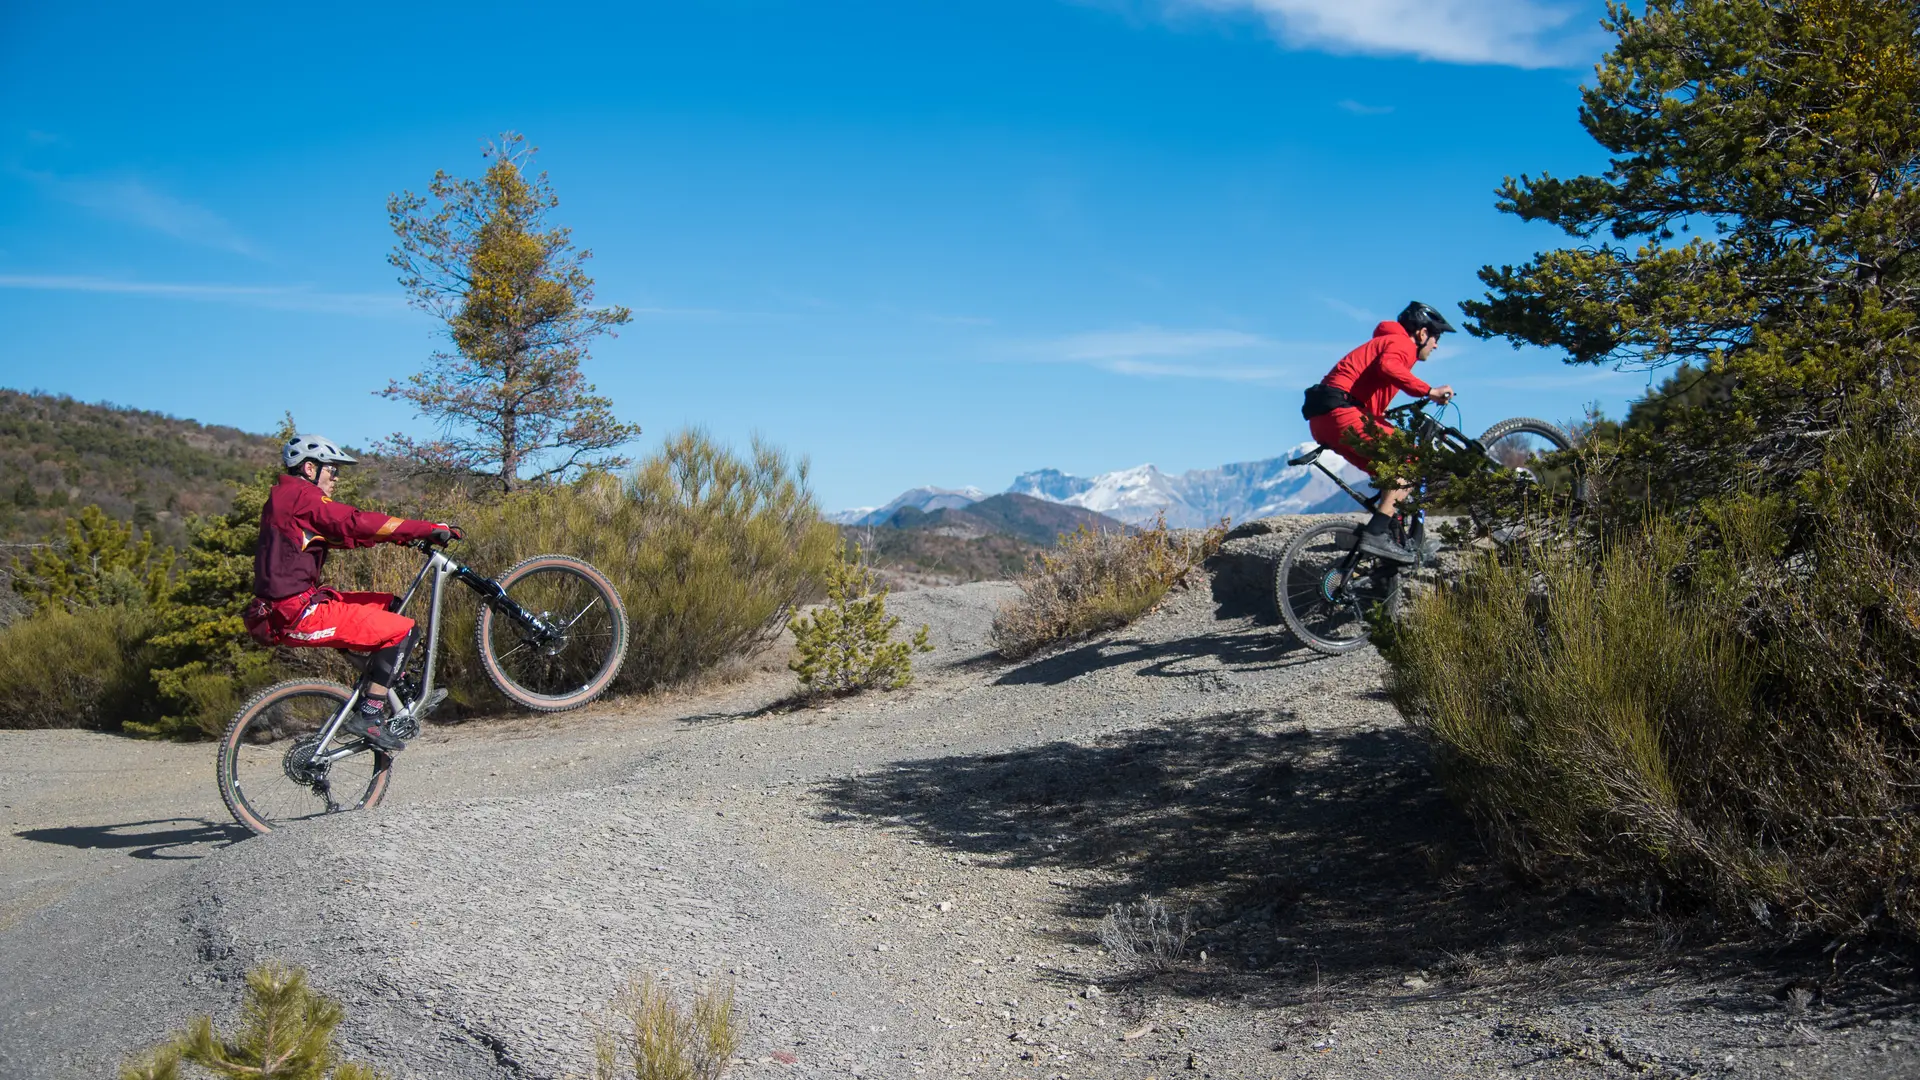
pixel 1227 650
pixel 1306 858
pixel 145 839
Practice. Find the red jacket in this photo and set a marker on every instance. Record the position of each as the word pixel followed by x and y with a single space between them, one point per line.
pixel 1374 372
pixel 298 526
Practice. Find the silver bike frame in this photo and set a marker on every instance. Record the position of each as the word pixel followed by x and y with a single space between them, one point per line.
pixel 441 568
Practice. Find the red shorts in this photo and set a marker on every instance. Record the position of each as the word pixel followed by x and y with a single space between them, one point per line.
pixel 1332 428
pixel 336 620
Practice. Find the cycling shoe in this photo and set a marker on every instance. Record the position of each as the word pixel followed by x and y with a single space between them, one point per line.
pixel 1382 546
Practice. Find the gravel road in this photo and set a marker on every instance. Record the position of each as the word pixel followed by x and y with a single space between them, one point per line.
pixel 900 885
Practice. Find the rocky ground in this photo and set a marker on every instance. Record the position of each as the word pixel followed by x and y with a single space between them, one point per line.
pixel 906 884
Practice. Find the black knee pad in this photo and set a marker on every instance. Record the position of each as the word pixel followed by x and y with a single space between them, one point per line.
pixel 388 662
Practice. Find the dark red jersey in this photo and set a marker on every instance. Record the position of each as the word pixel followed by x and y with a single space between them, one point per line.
pixel 1374 372
pixel 299 525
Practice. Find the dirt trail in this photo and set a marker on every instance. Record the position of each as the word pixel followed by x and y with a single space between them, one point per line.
pixel 901 885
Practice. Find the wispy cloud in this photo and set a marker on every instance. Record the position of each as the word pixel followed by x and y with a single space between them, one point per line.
pixel 280 297
pixel 1151 341
pixel 132 201
pixel 1359 109
pixel 1160 352
pixel 1357 314
pixel 1519 33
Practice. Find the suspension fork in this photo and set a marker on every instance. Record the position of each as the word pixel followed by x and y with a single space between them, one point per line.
pixel 496 598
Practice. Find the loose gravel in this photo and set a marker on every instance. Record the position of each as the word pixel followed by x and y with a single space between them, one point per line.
pixel 899 885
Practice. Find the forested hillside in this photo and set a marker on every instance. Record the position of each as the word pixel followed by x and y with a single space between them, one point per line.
pixel 58 454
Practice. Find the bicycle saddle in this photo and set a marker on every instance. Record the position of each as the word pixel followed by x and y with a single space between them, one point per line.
pixel 1308 457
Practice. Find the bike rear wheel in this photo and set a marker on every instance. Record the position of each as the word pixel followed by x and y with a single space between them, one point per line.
pixel 266 773
pixel 572 652
pixel 1325 588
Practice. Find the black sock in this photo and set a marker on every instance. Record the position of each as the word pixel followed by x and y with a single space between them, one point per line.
pixel 1378 523
pixel 373 706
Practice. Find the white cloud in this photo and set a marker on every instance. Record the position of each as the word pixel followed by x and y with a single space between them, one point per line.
pixel 1160 352
pixel 1520 33
pixel 1357 314
pixel 1150 341
pixel 130 200
pixel 280 297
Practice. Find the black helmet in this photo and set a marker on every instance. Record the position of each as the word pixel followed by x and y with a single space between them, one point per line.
pixel 1419 316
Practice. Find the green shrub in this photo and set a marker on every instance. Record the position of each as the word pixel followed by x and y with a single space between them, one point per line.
pixel 651 1036
pixel 286 1033
pixel 844 645
pixel 1095 581
pixel 77 669
pixel 1689 709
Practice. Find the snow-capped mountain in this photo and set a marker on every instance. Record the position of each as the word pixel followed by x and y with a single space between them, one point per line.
pixel 926 499
pixel 1241 492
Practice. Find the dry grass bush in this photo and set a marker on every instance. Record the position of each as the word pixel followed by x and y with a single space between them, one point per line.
pixel 651 1036
pixel 711 552
pixel 1095 581
pixel 1723 710
pixel 1146 935
pixel 86 668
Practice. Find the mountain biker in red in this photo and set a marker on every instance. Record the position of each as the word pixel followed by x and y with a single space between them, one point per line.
pixel 1359 389
pixel 298 525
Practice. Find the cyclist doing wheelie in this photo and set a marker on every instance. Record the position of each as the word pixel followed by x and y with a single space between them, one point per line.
pixel 298 526
pixel 1346 410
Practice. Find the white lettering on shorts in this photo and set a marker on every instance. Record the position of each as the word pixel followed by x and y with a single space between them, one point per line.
pixel 317 635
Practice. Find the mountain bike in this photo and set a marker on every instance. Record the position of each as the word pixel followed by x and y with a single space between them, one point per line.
pixel 1325 587
pixel 551 634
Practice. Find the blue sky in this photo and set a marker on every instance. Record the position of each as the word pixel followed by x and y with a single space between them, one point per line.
pixel 920 243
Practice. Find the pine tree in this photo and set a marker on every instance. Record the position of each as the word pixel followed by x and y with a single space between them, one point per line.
pixel 1760 220
pixel 101 561
pixel 517 305
pixel 844 645
pixel 286 1033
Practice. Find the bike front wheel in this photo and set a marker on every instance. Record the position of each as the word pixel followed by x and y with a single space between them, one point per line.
pixel 271 770
pixel 570 651
pixel 1326 588
pixel 1521 443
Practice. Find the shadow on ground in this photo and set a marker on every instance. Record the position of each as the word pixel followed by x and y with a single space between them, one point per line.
pixel 1231 651
pixel 164 838
pixel 1304 856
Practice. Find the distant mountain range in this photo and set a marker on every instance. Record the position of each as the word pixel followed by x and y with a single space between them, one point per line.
pixel 1037 521
pixel 1137 496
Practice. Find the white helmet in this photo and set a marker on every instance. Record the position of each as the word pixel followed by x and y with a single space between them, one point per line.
pixel 312 448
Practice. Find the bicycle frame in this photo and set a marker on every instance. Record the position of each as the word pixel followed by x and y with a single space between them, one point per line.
pixel 439 568
pixel 1426 430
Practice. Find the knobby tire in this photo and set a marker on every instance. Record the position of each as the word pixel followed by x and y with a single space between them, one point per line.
pixel 1326 612
pixel 253 768
pixel 577 668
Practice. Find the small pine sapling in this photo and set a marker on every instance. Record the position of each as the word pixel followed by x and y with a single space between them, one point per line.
pixel 845 644
pixel 286 1033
